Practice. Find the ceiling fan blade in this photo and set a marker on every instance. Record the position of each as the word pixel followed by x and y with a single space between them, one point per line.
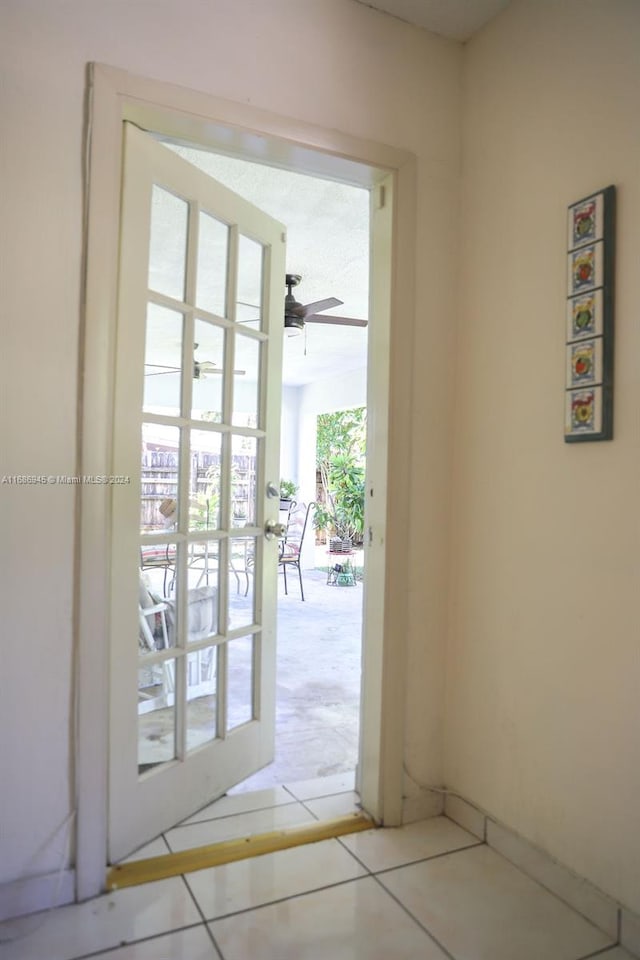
pixel 207 373
pixel 160 368
pixel 339 321
pixel 207 366
pixel 318 305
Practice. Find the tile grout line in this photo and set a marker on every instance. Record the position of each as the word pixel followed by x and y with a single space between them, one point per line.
pixel 433 856
pixel 600 953
pixel 550 887
pixel 216 947
pixel 260 809
pixel 409 863
pixel 567 903
pixel 425 929
pixel 131 943
pixel 356 858
pixel 320 796
pixel 230 816
pixel 201 912
pixel 304 804
pixel 183 877
pixel 293 896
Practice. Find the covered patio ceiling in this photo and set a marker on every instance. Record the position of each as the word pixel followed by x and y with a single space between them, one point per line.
pixel 327 244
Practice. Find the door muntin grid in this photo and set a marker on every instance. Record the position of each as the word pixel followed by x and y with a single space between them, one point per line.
pixel 212 478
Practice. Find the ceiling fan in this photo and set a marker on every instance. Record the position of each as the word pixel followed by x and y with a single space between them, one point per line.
pixel 297 315
pixel 201 368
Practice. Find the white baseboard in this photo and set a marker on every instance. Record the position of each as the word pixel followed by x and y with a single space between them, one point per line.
pixel 421 808
pixel 418 802
pixel 600 909
pixel 32 894
pixel 466 816
pixel 630 931
pixel 604 912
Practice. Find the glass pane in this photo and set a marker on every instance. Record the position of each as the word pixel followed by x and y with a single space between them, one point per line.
pixel 246 381
pixel 240 708
pixel 204 491
pixel 157 585
pixel 201 697
pixel 159 477
pixel 208 381
pixel 156 715
pixel 242 554
pixel 168 248
pixel 249 298
pixel 213 244
pixel 243 481
pixel 159 607
pixel 162 360
pixel 202 598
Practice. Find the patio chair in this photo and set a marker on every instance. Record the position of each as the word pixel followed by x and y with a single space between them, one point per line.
pixel 157 621
pixel 290 551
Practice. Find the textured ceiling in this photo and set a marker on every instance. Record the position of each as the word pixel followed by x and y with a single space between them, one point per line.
pixel 455 19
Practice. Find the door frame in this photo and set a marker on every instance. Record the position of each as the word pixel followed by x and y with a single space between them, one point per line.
pixel 115 96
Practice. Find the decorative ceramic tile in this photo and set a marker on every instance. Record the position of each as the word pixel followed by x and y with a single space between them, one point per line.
pixel 274 876
pixel 192 944
pixel 111 920
pixel 480 907
pixel 339 805
pixel 589 322
pixel 322 786
pixel 393 846
pixel 243 825
pixel 232 805
pixel 348 922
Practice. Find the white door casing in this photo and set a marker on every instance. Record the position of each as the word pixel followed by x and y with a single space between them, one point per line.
pixel 172 111
pixel 192 701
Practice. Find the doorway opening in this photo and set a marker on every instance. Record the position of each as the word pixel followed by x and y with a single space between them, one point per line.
pixel 319 638
pixel 389 175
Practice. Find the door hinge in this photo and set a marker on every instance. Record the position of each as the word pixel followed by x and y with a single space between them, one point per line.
pixel 382 196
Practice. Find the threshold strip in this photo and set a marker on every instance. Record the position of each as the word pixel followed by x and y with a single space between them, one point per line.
pixel 214 854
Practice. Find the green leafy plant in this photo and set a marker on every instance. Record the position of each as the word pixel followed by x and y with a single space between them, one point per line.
pixel 340 463
pixel 203 504
pixel 288 489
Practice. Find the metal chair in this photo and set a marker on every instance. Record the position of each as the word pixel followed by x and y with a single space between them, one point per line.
pixel 291 548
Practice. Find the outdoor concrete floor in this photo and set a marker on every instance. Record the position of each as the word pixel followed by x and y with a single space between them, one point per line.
pixel 318 681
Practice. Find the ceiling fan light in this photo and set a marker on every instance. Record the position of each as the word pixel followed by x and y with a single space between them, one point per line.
pixel 293 325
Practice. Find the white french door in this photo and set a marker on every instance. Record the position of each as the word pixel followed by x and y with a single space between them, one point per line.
pixel 197 420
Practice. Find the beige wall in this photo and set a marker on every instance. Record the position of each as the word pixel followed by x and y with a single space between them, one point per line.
pixel 329 62
pixel 543 670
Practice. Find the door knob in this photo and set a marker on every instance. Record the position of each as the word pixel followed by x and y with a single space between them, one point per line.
pixel 273 530
pixel 272 490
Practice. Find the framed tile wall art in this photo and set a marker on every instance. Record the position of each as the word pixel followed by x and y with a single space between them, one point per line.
pixel 589 319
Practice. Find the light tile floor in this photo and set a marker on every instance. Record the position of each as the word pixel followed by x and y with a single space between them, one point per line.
pixel 427 891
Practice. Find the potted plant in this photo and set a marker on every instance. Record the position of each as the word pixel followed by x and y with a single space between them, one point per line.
pixel 288 490
pixel 343 509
